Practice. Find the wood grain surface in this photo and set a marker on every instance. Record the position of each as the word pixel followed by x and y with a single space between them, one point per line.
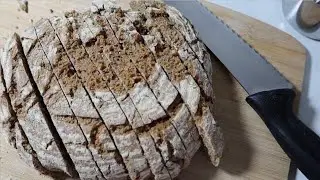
pixel 250 153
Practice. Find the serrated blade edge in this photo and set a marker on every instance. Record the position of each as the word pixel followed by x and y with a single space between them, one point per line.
pixel 251 69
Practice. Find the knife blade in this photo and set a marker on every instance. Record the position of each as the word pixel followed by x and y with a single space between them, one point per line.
pixel 271 95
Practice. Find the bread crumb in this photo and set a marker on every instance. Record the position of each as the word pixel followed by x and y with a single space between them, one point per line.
pixel 17 27
pixel 51 11
pixel 23 5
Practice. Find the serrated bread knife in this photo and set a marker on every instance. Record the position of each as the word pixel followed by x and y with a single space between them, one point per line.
pixel 270 94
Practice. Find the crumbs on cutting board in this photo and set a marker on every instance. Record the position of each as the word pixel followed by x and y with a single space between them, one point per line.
pixel 51 11
pixel 23 5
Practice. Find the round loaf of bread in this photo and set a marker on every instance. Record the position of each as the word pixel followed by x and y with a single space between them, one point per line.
pixel 109 94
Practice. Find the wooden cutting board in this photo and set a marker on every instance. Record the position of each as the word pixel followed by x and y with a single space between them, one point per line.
pixel 251 152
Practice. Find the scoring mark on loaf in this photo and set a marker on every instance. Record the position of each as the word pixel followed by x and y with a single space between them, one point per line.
pixel 107 162
pixel 30 113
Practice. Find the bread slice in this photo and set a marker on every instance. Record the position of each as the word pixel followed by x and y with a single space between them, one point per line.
pixel 30 114
pixel 170 145
pixel 154 157
pixel 208 128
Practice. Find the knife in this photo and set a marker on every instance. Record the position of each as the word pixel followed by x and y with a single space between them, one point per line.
pixel 270 94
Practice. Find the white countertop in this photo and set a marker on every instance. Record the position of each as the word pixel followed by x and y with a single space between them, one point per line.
pixel 270 12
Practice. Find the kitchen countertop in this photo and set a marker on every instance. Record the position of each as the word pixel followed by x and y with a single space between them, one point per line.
pixel 271 13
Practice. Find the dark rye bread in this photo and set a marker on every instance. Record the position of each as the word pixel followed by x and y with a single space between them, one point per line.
pixel 120 98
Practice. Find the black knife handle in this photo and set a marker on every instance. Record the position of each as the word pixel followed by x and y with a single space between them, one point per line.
pixel 300 143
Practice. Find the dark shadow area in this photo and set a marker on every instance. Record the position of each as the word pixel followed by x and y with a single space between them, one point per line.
pixel 237 152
